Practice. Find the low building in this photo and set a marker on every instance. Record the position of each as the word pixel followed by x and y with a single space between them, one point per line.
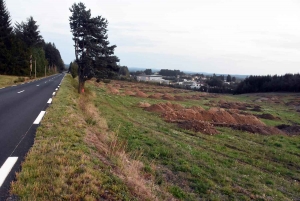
pixel 152 78
pixel 148 77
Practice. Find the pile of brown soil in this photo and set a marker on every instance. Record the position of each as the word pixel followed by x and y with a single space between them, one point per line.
pixel 129 93
pixel 168 97
pixel 158 108
pixel 265 130
pixel 234 105
pixel 290 129
pixel 214 116
pixel 112 89
pixel 141 94
pixel 198 126
pixel 179 98
pixel 268 116
pixel 155 96
pixel 144 105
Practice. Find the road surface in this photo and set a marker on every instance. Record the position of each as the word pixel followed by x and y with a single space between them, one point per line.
pixel 21 109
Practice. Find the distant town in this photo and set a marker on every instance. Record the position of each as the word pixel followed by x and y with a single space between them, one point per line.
pixel 178 79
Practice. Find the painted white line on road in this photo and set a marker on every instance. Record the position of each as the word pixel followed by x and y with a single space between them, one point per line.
pixel 39 118
pixel 14 85
pixel 6 168
pixel 21 91
pixel 53 94
pixel 37 85
pixel 56 89
pixel 50 101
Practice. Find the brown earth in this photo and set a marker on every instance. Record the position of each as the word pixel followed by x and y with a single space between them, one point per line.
pixel 290 129
pixel 193 118
pixel 268 116
pixel 168 97
pixel 141 94
pixel 144 105
pixel 129 93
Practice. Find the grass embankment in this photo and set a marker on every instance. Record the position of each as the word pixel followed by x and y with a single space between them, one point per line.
pixel 7 80
pixel 102 146
pixel 64 163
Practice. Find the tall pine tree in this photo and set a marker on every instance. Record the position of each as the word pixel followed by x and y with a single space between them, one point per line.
pixel 5 37
pixel 93 54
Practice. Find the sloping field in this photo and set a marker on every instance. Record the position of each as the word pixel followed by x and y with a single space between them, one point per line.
pixel 134 141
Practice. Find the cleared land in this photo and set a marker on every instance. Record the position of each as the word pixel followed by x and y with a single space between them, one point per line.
pixel 134 141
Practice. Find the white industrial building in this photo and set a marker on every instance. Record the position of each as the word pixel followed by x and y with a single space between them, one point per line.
pixel 152 78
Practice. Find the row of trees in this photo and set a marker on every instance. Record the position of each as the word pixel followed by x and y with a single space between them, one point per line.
pixel 23 45
pixel 283 83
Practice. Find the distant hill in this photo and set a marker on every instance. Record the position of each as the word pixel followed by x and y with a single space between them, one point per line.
pixel 134 69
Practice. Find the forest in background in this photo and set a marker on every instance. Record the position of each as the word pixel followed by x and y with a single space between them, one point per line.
pixel 22 47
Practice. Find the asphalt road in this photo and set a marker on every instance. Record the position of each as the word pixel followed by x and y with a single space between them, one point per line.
pixel 20 106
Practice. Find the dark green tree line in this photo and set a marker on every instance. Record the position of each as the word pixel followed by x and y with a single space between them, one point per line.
pixel 19 43
pixel 283 83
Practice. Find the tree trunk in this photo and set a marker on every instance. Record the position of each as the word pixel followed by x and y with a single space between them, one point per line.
pixel 81 84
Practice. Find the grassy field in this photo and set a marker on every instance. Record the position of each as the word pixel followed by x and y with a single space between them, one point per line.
pixel 104 146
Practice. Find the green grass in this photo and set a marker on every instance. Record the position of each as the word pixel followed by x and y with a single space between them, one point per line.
pixel 232 165
pixel 61 165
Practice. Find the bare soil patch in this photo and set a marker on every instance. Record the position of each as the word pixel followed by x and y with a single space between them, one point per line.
pixel 199 120
pixel 268 116
pixel 141 94
pixel 290 129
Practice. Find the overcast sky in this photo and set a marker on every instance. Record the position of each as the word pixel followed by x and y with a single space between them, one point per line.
pixel 215 36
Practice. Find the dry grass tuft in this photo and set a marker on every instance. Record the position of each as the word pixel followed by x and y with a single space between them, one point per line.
pixel 111 151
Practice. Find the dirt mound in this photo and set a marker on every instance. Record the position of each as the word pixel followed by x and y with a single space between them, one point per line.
pixel 189 118
pixel 144 105
pixel 268 116
pixel 247 119
pixel 265 130
pixel 174 106
pixel 290 130
pixel 155 96
pixel 168 97
pixel 198 126
pixel 197 108
pixel 129 93
pixel 156 108
pixel 234 105
pixel 179 98
pixel 141 94
pixel 112 89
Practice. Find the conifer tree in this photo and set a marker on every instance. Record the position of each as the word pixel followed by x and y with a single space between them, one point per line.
pixel 5 37
pixel 93 53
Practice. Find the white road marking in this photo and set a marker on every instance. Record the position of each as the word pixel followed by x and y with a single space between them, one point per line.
pixel 39 118
pixel 6 168
pixel 50 101
pixel 14 85
pixel 56 89
pixel 53 94
pixel 37 85
pixel 21 91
